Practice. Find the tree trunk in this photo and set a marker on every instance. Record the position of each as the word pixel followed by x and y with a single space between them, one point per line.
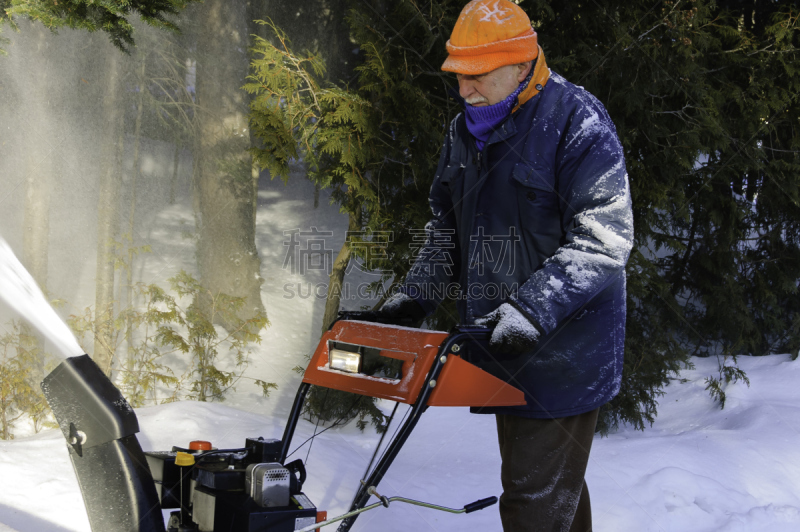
pixel 39 168
pixel 107 217
pixel 137 133
pixel 336 280
pixel 227 257
pixel 37 231
pixel 176 160
pixel 38 179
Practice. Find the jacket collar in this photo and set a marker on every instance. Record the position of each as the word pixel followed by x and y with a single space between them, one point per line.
pixel 541 74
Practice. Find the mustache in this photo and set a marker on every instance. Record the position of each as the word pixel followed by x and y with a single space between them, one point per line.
pixel 476 99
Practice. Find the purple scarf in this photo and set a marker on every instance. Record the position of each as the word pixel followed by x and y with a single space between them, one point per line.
pixel 482 121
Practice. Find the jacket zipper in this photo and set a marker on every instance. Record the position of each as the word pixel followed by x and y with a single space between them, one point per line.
pixel 479 163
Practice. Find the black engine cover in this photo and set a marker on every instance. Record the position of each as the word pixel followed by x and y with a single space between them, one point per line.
pixel 233 511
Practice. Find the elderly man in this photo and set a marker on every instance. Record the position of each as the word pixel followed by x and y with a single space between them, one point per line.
pixel 532 221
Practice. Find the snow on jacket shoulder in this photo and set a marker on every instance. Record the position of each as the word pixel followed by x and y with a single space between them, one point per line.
pixel 541 218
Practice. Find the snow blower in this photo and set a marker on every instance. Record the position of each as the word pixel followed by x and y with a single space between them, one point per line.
pixel 252 488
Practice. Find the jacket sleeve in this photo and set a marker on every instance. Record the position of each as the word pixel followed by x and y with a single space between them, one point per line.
pixel 592 184
pixel 437 264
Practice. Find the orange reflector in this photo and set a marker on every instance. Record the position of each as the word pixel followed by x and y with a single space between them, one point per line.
pixel 321 516
pixel 200 445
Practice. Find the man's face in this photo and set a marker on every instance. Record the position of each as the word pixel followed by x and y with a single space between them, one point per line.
pixel 492 87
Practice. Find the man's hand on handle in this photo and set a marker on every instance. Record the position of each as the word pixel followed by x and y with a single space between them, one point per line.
pixel 513 334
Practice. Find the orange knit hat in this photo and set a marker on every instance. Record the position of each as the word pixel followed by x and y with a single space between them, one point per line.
pixel 490 34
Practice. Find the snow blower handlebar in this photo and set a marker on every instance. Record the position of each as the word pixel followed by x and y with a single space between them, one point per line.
pixel 385 501
pixel 469 508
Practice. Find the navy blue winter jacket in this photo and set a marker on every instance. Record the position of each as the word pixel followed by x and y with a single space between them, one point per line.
pixel 541 218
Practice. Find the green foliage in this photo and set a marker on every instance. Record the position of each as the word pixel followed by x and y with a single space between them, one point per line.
pixel 266 387
pixel 202 339
pixel 144 375
pixel 110 16
pixel 704 95
pixel 124 252
pixel 165 336
pixel 20 395
pixel 727 374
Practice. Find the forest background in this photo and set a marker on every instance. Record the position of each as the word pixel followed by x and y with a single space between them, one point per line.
pixel 703 94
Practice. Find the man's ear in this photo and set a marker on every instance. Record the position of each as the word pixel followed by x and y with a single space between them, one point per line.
pixel 524 70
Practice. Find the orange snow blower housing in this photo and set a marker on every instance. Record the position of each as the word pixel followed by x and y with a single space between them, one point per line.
pixel 460 383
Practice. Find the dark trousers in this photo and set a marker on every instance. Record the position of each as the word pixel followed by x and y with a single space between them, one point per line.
pixel 544 463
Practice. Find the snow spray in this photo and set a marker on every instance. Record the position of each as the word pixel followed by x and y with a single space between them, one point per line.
pixel 20 292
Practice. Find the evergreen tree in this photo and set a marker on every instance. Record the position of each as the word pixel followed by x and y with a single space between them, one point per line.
pixel 704 97
pixel 110 16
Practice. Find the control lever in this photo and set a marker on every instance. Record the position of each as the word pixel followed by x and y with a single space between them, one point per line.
pixel 385 501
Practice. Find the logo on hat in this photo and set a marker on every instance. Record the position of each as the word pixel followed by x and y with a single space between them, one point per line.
pixel 495 13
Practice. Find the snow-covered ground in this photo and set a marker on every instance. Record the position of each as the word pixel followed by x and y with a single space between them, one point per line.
pixel 697 469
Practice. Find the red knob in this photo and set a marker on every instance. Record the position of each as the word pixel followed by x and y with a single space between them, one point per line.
pixel 200 445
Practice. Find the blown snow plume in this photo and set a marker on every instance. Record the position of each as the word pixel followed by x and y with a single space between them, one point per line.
pixel 21 293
